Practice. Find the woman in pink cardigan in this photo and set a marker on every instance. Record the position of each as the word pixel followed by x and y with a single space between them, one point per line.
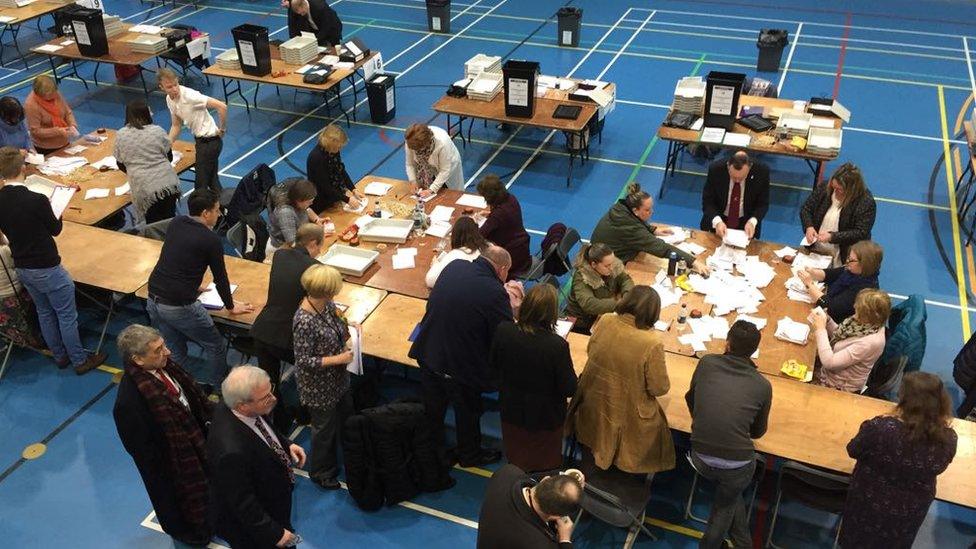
pixel 848 351
pixel 51 123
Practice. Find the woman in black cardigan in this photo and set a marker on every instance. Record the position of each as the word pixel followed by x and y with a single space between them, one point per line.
pixel 860 271
pixel 537 377
pixel 839 214
pixel 328 173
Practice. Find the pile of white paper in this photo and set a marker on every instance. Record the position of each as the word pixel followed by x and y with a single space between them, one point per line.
pixel 211 299
pixel 690 247
pixel 442 213
pixel 758 274
pixel 797 291
pixel 677 235
pixel 61 165
pixel 790 330
pixel 736 238
pixel 109 161
pixel 405 258
pixel 377 188
pixel 814 261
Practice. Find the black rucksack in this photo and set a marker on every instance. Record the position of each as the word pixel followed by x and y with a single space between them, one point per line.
pixel 553 264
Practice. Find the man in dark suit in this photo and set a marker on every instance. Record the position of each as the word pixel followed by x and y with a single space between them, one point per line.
pixel 162 417
pixel 272 329
pixel 250 465
pixel 736 195
pixel 466 305
pixel 316 17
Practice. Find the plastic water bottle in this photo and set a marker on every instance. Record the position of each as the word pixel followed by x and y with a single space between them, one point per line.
pixel 376 209
pixel 672 264
pixel 682 267
pixel 683 313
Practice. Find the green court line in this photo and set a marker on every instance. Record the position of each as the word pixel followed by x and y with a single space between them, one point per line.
pixel 701 60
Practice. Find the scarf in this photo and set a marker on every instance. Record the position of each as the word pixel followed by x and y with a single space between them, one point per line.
pixel 55 108
pixel 421 163
pixel 185 439
pixel 851 328
pixel 847 280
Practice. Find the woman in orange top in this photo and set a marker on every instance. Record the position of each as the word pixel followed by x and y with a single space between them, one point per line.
pixel 51 123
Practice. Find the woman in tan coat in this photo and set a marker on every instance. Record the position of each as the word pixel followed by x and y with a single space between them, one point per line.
pixel 615 413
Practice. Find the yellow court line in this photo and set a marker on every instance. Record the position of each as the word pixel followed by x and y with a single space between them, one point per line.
pixel 953 207
pixel 683 530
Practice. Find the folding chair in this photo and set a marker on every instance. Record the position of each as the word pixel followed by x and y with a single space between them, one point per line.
pixel 616 498
pixel 814 488
pixel 756 481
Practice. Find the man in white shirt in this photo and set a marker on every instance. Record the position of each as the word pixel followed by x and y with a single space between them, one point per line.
pixel 190 108
pixel 736 195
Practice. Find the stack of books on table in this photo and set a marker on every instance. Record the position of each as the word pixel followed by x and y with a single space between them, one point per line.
pixel 113 25
pixel 689 95
pixel 229 60
pixel 299 50
pixel 482 63
pixel 148 43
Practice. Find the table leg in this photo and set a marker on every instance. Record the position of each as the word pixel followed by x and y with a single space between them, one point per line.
pixel 355 93
pixel 94 73
pixel 3 32
pixel 668 161
pixel 74 71
pixel 256 88
pixel 142 78
pixel 815 166
pixel 228 91
pixel 16 31
pixel 6 358
pixel 108 318
pixel 572 153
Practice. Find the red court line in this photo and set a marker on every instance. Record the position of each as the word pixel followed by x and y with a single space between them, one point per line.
pixel 840 70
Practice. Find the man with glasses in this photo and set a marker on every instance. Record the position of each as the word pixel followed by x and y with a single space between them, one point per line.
pixel 251 464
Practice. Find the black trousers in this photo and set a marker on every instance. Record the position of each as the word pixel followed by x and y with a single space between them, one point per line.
pixel 208 154
pixel 323 463
pixel 270 358
pixel 162 209
pixel 438 392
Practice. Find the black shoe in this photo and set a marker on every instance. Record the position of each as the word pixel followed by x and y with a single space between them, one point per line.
pixel 327 483
pixel 484 457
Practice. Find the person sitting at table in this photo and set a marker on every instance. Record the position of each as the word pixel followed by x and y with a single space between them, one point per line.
pixel 18 316
pixel 13 125
pixel 838 214
pixel 847 352
pixel 321 355
pixel 625 230
pixel 599 283
pixel 843 283
pixel 51 122
pixel 736 195
pixel 898 457
pixel 432 160
pixel 144 152
pixel 316 17
pixel 615 413
pixel 272 329
pixel 537 376
pixel 288 208
pixel 504 224
pixel 327 171
pixel 466 244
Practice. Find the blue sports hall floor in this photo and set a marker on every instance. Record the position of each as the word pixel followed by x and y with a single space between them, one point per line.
pixel 903 68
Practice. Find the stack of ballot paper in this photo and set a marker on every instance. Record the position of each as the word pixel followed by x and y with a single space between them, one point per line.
pixel 108 162
pixel 758 273
pixel 760 323
pixel 377 188
pixel 796 290
pixel 405 258
pixel 442 213
pixel 813 261
pixel 677 235
pixel 61 165
pixel 736 238
pixel 690 247
pixel 785 251
pixel 790 330
pixel 211 299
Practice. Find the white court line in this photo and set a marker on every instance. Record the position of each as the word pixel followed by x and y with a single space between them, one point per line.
pixel 626 45
pixel 491 158
pixel 789 59
pixel 149 523
pixel 313 111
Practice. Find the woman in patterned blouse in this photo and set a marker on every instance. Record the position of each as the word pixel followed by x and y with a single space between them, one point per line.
pixel 321 357
pixel 326 170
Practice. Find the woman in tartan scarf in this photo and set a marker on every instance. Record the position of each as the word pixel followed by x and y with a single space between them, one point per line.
pixel 162 418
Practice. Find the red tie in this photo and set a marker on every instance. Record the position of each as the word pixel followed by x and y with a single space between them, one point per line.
pixel 732 220
pixel 170 388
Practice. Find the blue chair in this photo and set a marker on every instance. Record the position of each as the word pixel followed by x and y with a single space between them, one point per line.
pixel 906 333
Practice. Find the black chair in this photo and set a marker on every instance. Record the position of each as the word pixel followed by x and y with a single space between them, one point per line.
pixel 757 478
pixel 885 378
pixel 549 279
pixel 815 488
pixel 616 498
pixel 557 252
pixel 155 230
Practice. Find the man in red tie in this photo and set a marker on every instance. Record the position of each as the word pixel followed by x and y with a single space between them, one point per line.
pixel 736 195
pixel 162 416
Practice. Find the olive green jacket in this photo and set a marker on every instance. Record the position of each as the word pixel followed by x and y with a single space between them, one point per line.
pixel 627 236
pixel 593 295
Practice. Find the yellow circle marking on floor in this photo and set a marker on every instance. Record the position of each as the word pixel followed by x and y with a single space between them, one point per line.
pixel 34 451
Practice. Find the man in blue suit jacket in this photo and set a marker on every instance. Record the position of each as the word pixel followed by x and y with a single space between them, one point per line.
pixel 466 305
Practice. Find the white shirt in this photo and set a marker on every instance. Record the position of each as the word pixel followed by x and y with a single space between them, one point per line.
pixel 728 200
pixel 182 396
pixel 191 109
pixel 830 223
pixel 439 262
pixel 445 159
pixel 251 421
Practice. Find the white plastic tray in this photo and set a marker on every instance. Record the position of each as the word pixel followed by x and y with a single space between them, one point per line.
pixel 387 230
pixel 799 121
pixel 348 260
pixel 825 138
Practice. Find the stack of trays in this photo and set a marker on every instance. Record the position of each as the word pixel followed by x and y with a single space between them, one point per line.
pixel 689 95
pixel 148 43
pixel 794 123
pixel 113 25
pixel 825 141
pixel 299 50
pixel 228 60
pixel 482 63
pixel 485 86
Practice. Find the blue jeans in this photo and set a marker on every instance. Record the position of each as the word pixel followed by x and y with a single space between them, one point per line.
pixel 191 323
pixel 729 513
pixel 53 293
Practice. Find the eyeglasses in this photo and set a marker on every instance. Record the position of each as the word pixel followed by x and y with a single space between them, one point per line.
pixel 851 260
pixel 266 397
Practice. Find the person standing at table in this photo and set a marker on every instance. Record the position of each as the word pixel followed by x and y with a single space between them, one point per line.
pixel 599 283
pixel 13 125
pixel 190 108
pixel 860 271
pixel 838 214
pixel 189 249
pixel 316 17
pixel 321 355
pixel 729 401
pixel 466 245
pixel 504 223
pixel 272 329
pixel 251 465
pixel 29 225
pixel 898 458
pixel 625 230
pixel 846 352
pixel 144 153
pixel 432 160
pixel 51 122
pixel 327 171
pixel 162 420
pixel 736 195
pixel 537 376
pixel 467 304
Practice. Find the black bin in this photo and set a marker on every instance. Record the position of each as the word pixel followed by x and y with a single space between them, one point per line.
pixel 722 91
pixel 89 29
pixel 771 44
pixel 253 49
pixel 381 91
pixel 439 15
pixel 520 78
pixel 570 22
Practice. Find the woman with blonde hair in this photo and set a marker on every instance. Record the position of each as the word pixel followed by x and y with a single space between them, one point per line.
pixel 327 171
pixel 846 352
pixel 432 160
pixel 839 213
pixel 860 270
pixel 51 122
pixel 322 352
